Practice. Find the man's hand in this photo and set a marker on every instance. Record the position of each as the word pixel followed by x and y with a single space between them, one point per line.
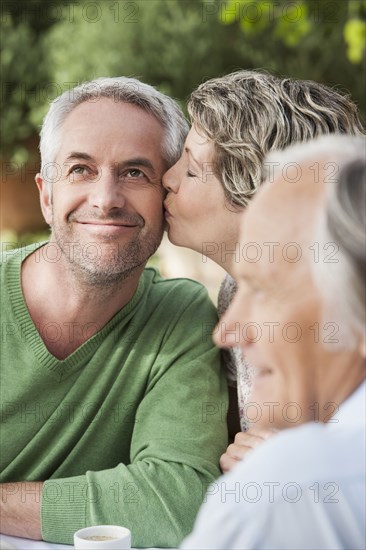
pixel 20 507
pixel 244 443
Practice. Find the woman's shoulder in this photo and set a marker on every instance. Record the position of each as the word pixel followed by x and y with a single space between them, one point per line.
pixel 227 292
pixel 231 357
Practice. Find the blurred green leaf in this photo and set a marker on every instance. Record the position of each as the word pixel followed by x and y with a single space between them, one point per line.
pixel 172 44
pixel 293 24
pixel 355 36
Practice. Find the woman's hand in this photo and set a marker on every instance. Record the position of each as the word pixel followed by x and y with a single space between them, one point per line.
pixel 244 443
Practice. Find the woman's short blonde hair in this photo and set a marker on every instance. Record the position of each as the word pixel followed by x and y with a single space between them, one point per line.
pixel 248 113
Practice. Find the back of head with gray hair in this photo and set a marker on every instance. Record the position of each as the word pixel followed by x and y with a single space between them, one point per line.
pixel 345 224
pixel 249 113
pixel 341 276
pixel 128 90
pixel 346 213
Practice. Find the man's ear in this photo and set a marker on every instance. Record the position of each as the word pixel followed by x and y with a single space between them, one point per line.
pixel 45 198
pixel 362 346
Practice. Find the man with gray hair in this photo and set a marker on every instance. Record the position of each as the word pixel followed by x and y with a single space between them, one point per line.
pixel 111 391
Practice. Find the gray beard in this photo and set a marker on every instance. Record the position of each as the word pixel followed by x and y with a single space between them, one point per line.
pixel 104 264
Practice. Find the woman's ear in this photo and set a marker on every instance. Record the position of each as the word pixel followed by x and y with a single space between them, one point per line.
pixel 45 198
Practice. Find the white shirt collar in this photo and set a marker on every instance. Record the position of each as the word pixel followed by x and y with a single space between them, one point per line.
pixel 353 409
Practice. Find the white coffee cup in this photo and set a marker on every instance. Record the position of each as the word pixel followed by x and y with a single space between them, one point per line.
pixel 97 538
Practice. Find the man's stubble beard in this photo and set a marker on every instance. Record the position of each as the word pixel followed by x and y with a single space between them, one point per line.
pixel 104 263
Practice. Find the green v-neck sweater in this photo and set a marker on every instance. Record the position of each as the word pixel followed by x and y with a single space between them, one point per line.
pixel 129 428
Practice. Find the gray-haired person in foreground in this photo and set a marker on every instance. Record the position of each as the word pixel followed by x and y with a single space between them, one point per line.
pixel 304 487
pixel 105 372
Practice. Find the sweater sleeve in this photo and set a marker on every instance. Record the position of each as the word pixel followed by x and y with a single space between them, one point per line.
pixel 179 434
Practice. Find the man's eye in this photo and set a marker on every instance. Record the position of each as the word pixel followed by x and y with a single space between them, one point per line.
pixel 82 172
pixel 79 170
pixel 135 173
pixel 190 174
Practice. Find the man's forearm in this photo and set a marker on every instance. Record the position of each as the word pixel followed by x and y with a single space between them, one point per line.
pixel 20 507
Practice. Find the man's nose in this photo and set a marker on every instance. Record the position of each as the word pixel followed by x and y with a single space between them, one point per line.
pixel 107 192
pixel 170 179
pixel 233 329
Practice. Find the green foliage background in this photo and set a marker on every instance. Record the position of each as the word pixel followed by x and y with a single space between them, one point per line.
pixel 47 47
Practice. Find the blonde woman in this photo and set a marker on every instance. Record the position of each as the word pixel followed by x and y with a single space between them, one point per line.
pixel 236 120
